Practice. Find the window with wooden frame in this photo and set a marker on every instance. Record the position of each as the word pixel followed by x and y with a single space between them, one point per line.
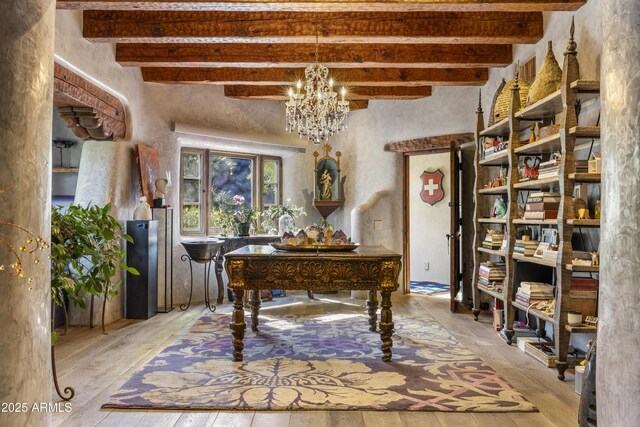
pixel 210 179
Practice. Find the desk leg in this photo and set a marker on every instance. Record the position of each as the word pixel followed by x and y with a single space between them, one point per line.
pixel 255 310
pixel 386 325
pixel 218 270
pixel 372 309
pixel 237 325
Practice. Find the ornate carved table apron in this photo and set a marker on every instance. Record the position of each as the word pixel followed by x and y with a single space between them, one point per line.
pixel 370 268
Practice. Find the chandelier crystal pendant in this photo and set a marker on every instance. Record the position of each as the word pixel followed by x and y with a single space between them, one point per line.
pixel 313 109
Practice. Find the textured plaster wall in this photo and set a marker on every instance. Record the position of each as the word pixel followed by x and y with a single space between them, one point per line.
pixel 429 224
pixel 618 373
pixel 26 71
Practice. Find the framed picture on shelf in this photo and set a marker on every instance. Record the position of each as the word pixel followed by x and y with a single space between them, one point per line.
pixel 549 235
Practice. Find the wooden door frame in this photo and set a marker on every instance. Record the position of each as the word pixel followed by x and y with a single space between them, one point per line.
pixel 406 238
pixel 412 147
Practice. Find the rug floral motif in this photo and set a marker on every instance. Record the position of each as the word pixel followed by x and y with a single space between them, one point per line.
pixel 320 362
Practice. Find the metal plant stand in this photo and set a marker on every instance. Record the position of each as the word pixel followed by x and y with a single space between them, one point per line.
pixel 203 252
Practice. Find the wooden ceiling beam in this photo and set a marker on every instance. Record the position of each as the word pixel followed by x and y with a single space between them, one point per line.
pixel 356 94
pixel 292 27
pixel 285 55
pixel 348 76
pixel 358 105
pixel 328 5
pixel 430 143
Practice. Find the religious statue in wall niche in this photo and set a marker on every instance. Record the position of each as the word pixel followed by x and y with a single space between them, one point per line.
pixel 327 185
pixel 325 181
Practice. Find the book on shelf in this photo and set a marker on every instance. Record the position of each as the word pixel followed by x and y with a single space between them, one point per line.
pixel 582 166
pixel 525 247
pixel 550 254
pixel 542 206
pixel 541 215
pixel 544 194
pixel 543 246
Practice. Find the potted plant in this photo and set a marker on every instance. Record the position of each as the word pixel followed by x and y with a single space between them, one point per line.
pixel 243 216
pixel 86 254
pixel 273 214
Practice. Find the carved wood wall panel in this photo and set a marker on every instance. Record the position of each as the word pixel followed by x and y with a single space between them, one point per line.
pixel 88 110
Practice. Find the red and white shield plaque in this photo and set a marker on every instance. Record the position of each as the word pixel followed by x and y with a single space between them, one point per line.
pixel 432 191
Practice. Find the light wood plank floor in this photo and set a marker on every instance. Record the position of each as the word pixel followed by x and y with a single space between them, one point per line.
pixel 97 365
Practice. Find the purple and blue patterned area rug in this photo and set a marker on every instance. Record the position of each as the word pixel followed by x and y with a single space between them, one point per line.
pixel 319 362
pixel 428 288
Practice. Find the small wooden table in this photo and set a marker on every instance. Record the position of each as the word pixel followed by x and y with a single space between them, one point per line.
pixel 372 268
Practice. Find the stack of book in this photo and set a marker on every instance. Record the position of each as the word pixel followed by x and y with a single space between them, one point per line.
pixel 493 149
pixel 550 168
pixel 582 166
pixel 492 275
pixel 493 240
pixel 525 247
pixel 531 292
pixel 541 205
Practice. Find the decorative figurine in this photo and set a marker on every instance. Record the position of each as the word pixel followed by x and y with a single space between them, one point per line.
pixel 595 259
pixel 499 208
pixel 162 186
pixel 325 181
pixel 143 211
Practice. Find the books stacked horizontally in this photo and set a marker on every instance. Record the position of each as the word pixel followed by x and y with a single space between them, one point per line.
pixel 525 247
pixel 493 240
pixel 531 292
pixel 550 168
pixel 495 147
pixel 541 205
pixel 492 275
pixel 582 166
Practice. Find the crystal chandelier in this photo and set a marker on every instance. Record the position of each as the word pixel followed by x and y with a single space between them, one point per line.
pixel 316 113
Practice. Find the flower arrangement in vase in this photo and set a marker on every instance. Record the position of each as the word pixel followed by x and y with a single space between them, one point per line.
pixel 272 215
pixel 243 216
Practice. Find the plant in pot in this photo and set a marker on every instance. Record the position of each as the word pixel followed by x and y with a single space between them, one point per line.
pixel 243 216
pixel 86 255
pixel 273 214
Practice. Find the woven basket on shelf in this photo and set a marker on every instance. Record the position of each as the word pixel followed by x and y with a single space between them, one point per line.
pixel 547 80
pixel 502 101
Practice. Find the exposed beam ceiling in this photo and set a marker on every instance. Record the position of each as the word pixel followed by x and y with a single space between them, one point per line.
pixel 430 143
pixel 348 76
pixel 300 55
pixel 379 49
pixel 357 94
pixel 327 5
pixel 291 27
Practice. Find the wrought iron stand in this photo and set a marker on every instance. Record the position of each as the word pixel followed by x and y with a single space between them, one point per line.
pixel 207 271
pixel 168 256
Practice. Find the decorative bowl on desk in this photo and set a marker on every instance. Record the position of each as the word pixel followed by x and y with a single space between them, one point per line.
pixel 202 250
pixel 315 248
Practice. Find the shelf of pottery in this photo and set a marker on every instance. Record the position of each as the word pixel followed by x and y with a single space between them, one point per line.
pixel 537 208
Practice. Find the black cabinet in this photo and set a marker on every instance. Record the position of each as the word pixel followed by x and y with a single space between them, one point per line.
pixel 142 254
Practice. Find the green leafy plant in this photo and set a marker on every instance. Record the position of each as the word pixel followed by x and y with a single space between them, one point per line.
pixel 272 214
pixel 86 254
pixel 243 214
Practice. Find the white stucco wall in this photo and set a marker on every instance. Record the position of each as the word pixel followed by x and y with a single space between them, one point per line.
pixel 429 224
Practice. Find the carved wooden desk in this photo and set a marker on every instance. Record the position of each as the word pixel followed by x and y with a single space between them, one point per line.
pixel 231 243
pixel 372 268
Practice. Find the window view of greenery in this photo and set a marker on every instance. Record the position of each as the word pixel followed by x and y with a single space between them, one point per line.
pixel 191 191
pixel 208 201
pixel 228 177
pixel 270 178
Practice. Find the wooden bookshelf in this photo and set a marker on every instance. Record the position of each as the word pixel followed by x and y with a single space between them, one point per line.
pixel 583 222
pixel 582 329
pixel 585 177
pixel 558 106
pixel 583 268
pixel 490 251
pixel 534 260
pixel 549 144
pixel 503 189
pixel 536 184
pixel 501 158
pixel 537 313
pixel 497 295
pixel 521 221
pixel 492 220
